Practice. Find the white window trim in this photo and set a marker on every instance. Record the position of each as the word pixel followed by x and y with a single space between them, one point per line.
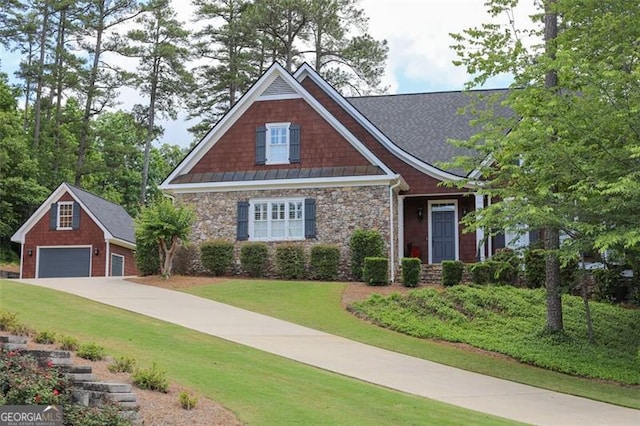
pixel 450 205
pixel 286 201
pixel 64 203
pixel 270 126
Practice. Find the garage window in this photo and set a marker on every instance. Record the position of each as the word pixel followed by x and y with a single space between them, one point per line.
pixel 64 215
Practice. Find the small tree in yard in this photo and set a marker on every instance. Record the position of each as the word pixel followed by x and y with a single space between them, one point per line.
pixel 166 224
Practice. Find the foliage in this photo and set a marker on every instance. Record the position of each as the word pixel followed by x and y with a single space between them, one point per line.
pixel 186 260
pixel 8 321
pixel 152 378
pixel 324 261
pixel 611 286
pixel 68 343
pixel 452 272
pixel 24 382
pixel 507 320
pixel 290 261
pixel 534 267
pixel 376 271
pixel 187 401
pixel 45 337
pixel 364 243
pixel 217 256
pixel 147 256
pixel 76 415
pixel 254 258
pixel 481 273
pixel 411 270
pixel 122 364
pixel 167 225
pixel 91 351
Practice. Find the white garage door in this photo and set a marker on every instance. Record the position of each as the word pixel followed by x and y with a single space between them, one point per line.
pixel 64 262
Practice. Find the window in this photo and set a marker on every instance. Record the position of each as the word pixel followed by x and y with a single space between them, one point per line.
pixel 65 215
pixel 278 143
pixel 277 220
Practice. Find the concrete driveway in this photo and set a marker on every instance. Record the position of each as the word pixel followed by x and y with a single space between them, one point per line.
pixel 379 366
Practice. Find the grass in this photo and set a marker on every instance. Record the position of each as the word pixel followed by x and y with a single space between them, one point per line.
pixel 262 389
pixel 507 320
pixel 317 305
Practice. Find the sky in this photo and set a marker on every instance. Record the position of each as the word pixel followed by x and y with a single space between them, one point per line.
pixel 419 58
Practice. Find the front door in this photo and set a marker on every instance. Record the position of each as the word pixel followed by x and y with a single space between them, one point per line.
pixel 443 235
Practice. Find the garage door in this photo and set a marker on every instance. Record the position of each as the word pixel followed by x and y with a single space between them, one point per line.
pixel 64 262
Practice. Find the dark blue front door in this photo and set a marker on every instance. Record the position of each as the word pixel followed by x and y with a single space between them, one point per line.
pixel 443 238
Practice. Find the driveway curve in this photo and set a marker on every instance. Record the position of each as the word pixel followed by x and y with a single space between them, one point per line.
pixel 368 363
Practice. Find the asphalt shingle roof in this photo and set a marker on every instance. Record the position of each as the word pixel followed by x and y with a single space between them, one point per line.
pixel 112 216
pixel 421 124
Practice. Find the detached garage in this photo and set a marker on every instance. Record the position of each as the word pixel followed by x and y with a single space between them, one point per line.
pixel 75 233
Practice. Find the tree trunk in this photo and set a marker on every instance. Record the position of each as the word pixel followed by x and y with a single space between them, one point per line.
pixel 584 283
pixel 552 280
pixel 37 113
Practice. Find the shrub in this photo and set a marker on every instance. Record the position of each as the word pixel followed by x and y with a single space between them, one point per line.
pixel 186 260
pixel 364 243
pixel 91 351
pixel 122 364
pixel 109 414
pixel 503 272
pixel 534 266
pixel 375 271
pixel 147 256
pixel 411 268
pixel 45 337
pixel 8 256
pixel 481 273
pixel 68 343
pixel 324 262
pixel 151 378
pixel 611 286
pixel 8 321
pixel 451 272
pixel 187 401
pixel 217 256
pixel 253 258
pixel 290 261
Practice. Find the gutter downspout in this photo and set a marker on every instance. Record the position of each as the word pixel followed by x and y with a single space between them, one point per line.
pixel 391 233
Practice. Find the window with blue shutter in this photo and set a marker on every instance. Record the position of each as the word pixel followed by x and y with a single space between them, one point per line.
pixel 294 143
pixel 75 221
pixel 309 218
pixel 53 216
pixel 242 232
pixel 261 145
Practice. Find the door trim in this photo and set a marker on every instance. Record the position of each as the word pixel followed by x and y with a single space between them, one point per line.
pixel 37 271
pixel 430 206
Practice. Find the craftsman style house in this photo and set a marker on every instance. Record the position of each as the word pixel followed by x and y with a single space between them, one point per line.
pixel 75 233
pixel 294 160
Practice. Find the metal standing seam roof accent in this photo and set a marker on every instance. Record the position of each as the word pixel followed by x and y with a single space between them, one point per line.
pixel 279 174
pixel 422 124
pixel 112 216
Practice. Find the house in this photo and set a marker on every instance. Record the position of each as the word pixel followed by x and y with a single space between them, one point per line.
pixel 294 160
pixel 76 234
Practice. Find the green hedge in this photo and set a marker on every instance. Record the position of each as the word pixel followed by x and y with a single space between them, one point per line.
pixel 375 271
pixel 481 273
pixel 290 261
pixel 364 243
pixel 217 256
pixel 254 258
pixel 324 262
pixel 147 256
pixel 411 269
pixel 452 272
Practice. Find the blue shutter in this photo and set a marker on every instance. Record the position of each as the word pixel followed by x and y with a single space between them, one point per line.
pixel 294 143
pixel 75 222
pixel 53 216
pixel 242 233
pixel 310 218
pixel 261 145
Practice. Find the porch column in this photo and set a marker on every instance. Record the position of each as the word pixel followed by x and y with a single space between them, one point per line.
pixel 480 243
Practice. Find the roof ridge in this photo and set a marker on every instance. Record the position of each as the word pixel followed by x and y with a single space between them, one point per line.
pixel 440 92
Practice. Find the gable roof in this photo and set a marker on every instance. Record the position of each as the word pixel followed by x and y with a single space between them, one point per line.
pixel 112 216
pixel 422 124
pixel 275 83
pixel 113 219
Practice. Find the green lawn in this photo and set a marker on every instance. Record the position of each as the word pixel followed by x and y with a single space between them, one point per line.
pixel 262 389
pixel 317 305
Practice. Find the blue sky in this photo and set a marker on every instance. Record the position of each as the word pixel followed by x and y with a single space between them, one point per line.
pixel 417 32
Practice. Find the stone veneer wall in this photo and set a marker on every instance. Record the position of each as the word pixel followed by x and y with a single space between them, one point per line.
pixel 339 211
